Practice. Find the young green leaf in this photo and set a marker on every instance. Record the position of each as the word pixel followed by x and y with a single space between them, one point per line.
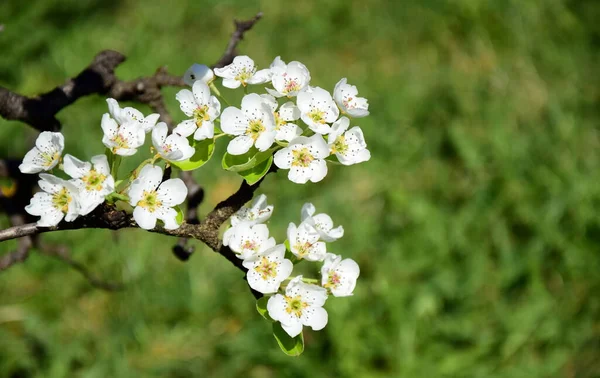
pixel 292 346
pixel 253 175
pixel 204 151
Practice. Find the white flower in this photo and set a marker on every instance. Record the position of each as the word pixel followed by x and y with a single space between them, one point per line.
pixel 301 305
pixel 304 242
pixel 349 146
pixel 92 179
pixel 346 96
pixel 202 107
pixel 46 153
pixel 317 109
pixel 248 240
pixel 267 270
pixel 288 79
pixel 198 72
pixel 339 276
pixel 322 223
pixel 258 212
pixel 288 112
pixel 242 71
pixel 254 125
pixel 58 200
pixel 304 157
pixel 128 114
pixel 122 140
pixel 173 147
pixel 153 200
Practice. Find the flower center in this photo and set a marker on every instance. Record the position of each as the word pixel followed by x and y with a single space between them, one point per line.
pixel 295 305
pixel 49 158
pixel 349 103
pixel 318 116
pixel 120 141
pixel 302 157
pixel 339 146
pixel 243 75
pixel 61 200
pixel 93 181
pixel 291 86
pixel 250 244
pixel 266 269
pixel 150 201
pixel 255 128
pixel 303 249
pixel 279 121
pixel 201 115
pixel 333 281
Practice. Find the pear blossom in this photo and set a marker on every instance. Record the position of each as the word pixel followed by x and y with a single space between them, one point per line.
pixel 58 200
pixel 198 72
pixel 317 109
pixel 46 153
pixel 302 304
pixel 242 71
pixel 129 114
pixel 346 96
pixel 92 179
pixel 155 200
pixel 339 276
pixel 304 242
pixel 349 146
pixel 268 269
pixel 304 157
pixel 173 147
pixel 288 79
pixel 202 107
pixel 247 240
pixel 258 212
pixel 322 223
pixel 288 112
pixel 122 140
pixel 253 125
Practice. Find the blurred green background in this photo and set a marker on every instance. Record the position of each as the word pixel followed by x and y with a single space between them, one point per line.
pixel 476 223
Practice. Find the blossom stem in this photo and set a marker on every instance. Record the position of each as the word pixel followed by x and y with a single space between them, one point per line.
pixel 310 280
pixel 217 93
pixel 114 196
pixel 220 135
pixel 115 166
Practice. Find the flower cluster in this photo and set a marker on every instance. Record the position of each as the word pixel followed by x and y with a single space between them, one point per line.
pixel 92 183
pixel 294 301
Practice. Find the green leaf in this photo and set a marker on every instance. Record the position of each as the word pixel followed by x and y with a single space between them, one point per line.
pixel 204 151
pixel 261 307
pixel 179 218
pixel 292 346
pixel 247 161
pixel 253 175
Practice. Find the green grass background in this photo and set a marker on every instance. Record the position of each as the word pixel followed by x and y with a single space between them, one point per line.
pixel 476 223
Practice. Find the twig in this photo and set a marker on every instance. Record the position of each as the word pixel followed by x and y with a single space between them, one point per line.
pixel 24 246
pixel 240 28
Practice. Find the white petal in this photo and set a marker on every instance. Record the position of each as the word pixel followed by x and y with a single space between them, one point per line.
pixel 100 163
pixel 39 203
pixel 172 192
pixel 187 101
pixel 319 170
pixel 270 101
pixel 308 210
pixel 299 175
pixel 230 83
pixel 159 135
pixel 149 122
pixel 206 131
pixel 338 128
pixel 252 102
pixel 109 126
pixel 240 145
pixel 314 317
pixel 144 218
pixel 198 72
pixel 289 111
pixel 50 218
pixel 283 158
pixel 113 108
pixel 32 162
pixel 185 128
pixel 201 92
pixel 75 167
pixel 169 217
pixel 261 76
pixel 233 121
pixel 50 142
pixel 265 140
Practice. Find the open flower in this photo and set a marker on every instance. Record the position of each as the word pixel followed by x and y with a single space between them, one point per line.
pixel 267 270
pixel 129 114
pixel 153 200
pixel 349 146
pixel 253 125
pixel 258 212
pixel 248 240
pixel 304 242
pixel 58 200
pixel 287 113
pixel 304 157
pixel 339 276
pixel 202 107
pixel 92 179
pixel 346 96
pixel 301 305
pixel 173 147
pixel 288 79
pixel 317 109
pixel 322 223
pixel 122 140
pixel 46 153
pixel 198 72
pixel 242 71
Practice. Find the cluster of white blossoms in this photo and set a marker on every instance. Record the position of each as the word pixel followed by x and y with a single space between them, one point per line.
pixel 91 183
pixel 293 301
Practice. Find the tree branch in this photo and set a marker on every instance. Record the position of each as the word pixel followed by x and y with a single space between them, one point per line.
pixel 241 27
